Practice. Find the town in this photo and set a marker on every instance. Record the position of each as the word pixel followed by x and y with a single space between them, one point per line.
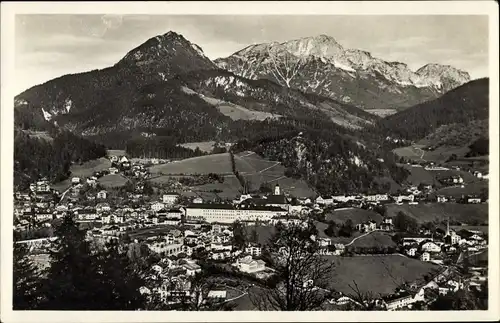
pixel 183 229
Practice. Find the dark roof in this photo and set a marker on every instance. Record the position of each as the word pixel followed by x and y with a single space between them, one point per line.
pixel 396 296
pixel 232 207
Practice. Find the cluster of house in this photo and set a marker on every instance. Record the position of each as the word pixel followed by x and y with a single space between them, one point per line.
pixel 434 247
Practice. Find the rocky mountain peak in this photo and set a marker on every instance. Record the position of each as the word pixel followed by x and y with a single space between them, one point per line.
pixel 161 47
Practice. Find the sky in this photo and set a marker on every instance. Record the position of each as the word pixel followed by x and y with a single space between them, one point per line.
pixel 48 46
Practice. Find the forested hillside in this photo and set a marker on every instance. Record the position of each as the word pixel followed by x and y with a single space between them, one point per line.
pixel 462 105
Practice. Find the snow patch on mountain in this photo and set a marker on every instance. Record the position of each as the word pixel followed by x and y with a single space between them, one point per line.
pixel 46 115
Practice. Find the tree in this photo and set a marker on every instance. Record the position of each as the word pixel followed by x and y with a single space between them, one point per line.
pixel 404 223
pixel 346 229
pixel 26 280
pixel 254 236
pixel 81 278
pixel 239 235
pixel 331 229
pixel 302 274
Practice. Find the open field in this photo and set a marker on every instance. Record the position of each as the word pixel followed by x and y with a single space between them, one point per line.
pixel 357 215
pixel 464 213
pixel 379 275
pixel 234 111
pixel 44 135
pixel 482 228
pixel 231 188
pixel 62 186
pixel 205 146
pixel 418 175
pixel 88 168
pixel 382 112
pixel 218 164
pixel 257 170
pixel 374 239
pixel 469 189
pixel 439 155
pixel 112 180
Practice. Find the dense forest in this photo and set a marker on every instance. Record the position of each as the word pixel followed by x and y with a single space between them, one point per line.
pixel 159 147
pixel 333 164
pixel 35 158
pixel 462 105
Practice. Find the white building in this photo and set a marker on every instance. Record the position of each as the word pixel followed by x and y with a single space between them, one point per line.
pixel 164 248
pixel 431 247
pixel 75 180
pixel 170 198
pixel 103 207
pixel 425 256
pixel 248 265
pixel 226 213
pixel 253 250
pixel 442 199
pixel 157 206
pixel 197 200
pixel 191 269
pixel 377 198
pixel 102 194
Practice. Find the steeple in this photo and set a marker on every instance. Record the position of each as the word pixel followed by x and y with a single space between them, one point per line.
pixel 277 190
pixel 447 226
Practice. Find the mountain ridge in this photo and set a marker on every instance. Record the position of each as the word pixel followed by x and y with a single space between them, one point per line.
pixel 321 60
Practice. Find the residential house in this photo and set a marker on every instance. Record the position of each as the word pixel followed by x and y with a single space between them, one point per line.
pixel 398 300
pixel 102 194
pixel 430 247
pixel 248 265
pixel 113 170
pixel 425 256
pixel 442 199
pixel 75 180
pixel 157 206
pixel 253 250
pixel 170 198
pixel 88 214
pixel 377 198
pixel 197 200
pixel 412 252
pixel 103 207
pixel 191 269
pixel 473 200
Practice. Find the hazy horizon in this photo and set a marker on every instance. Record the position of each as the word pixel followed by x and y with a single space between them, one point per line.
pixel 49 46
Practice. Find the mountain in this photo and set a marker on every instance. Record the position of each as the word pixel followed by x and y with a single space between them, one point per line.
pixel 322 66
pixel 463 105
pixel 167 86
pixel 168 91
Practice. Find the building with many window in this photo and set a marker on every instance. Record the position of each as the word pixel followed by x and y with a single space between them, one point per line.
pixel 227 213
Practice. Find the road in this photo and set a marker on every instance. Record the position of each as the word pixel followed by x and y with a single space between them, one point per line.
pixel 66 191
pixel 361 236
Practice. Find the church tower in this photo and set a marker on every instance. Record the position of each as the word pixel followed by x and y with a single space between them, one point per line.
pixel 277 190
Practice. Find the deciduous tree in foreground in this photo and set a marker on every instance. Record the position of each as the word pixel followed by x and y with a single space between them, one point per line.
pixel 302 273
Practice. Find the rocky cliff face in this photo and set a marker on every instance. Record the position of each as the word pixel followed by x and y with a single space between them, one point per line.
pixel 321 65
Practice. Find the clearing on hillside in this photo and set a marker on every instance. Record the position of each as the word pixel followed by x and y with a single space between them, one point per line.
pixel 234 111
pixel 257 171
pixel 112 180
pixel 205 146
pixel 218 164
pixel 376 239
pixel 357 215
pixel 429 212
pixel 378 274
pixel 88 168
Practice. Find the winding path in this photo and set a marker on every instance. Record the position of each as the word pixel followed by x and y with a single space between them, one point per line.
pixel 361 236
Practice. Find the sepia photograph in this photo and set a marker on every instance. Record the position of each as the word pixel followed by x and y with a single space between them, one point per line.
pixel 158 160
